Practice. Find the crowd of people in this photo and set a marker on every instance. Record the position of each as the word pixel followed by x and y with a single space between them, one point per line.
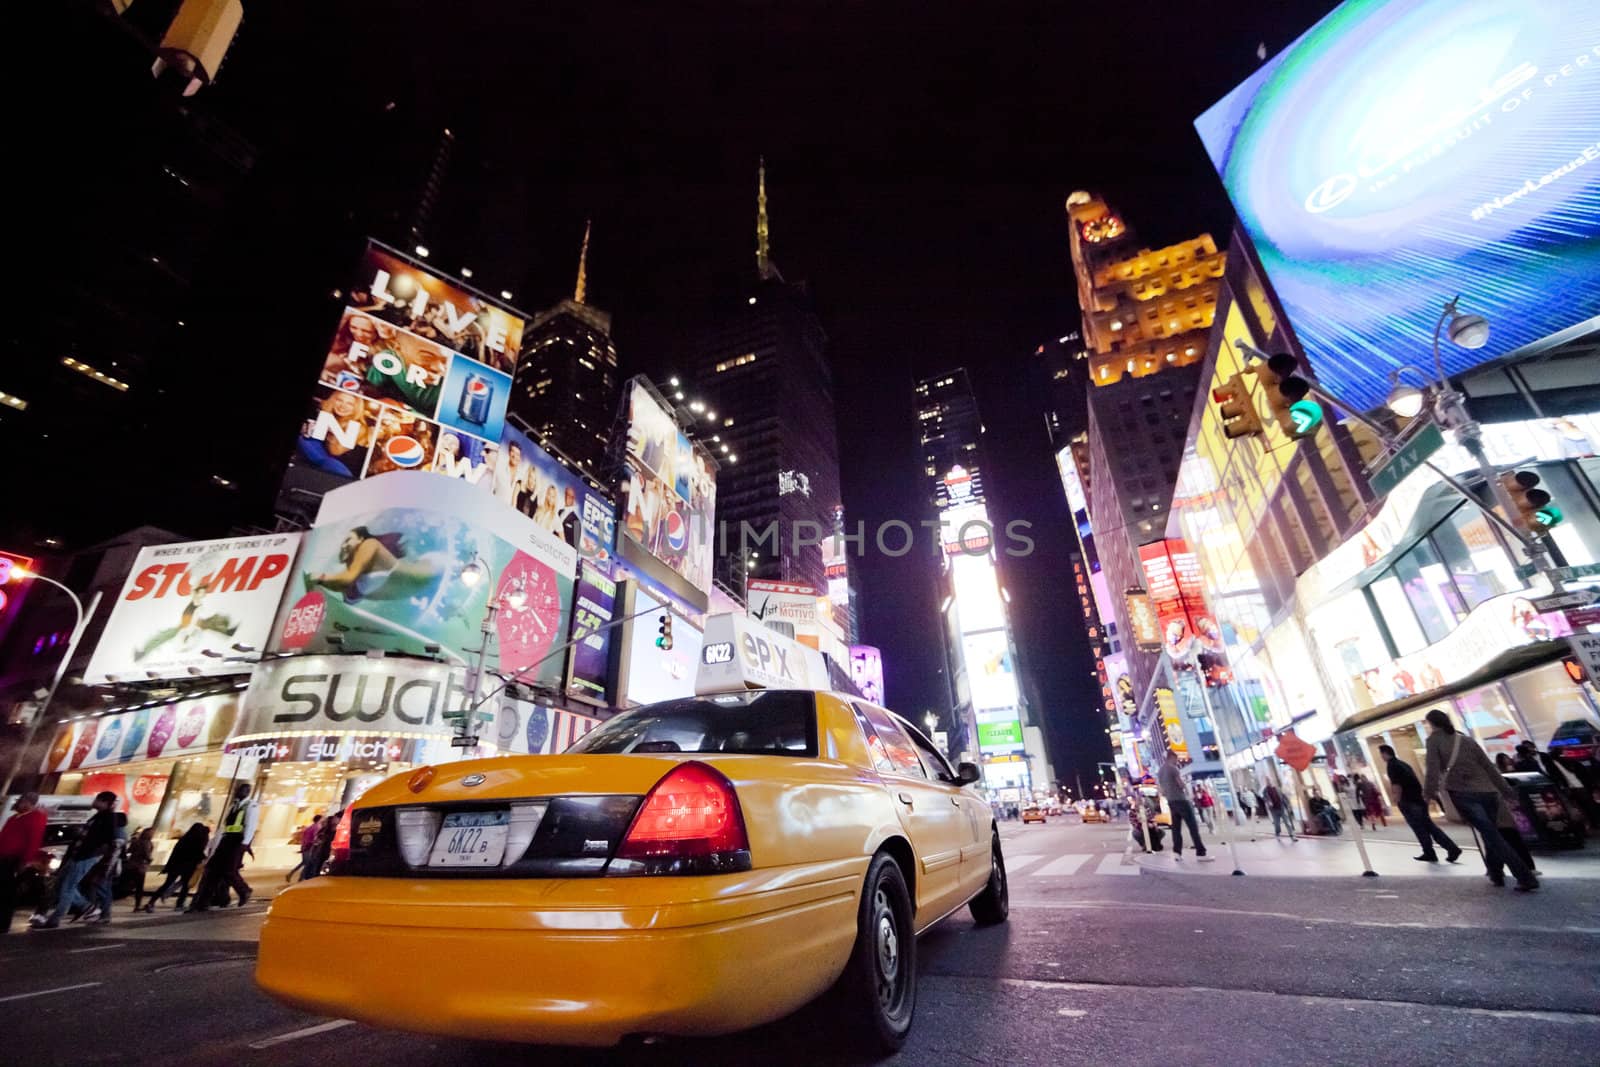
pixel 104 862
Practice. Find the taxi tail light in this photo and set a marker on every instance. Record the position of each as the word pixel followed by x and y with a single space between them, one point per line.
pixel 341 837
pixel 416 828
pixel 690 823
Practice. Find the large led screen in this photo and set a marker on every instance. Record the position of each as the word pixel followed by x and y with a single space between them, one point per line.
pixel 1403 151
pixel 671 490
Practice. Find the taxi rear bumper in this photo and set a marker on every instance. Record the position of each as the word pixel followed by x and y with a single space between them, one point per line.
pixel 573 962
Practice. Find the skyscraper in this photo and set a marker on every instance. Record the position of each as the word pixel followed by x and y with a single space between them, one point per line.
pixel 993 722
pixel 565 390
pixel 761 374
pixel 1147 316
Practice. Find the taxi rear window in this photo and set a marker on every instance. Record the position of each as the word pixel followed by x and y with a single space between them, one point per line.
pixel 766 722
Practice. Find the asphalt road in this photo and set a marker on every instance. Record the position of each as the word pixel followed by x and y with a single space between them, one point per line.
pixel 1100 963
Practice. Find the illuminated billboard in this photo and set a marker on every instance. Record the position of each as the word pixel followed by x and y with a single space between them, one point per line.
pixel 965 530
pixel 1178 598
pixel 670 490
pixel 1403 151
pixel 183 607
pixel 594 606
pixel 397 292
pixel 1000 736
pixel 977 593
pixel 408 562
pixel 989 670
pixel 529 479
pixel 650 674
pixel 866 670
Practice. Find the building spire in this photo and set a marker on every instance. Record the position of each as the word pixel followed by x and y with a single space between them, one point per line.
pixel 763 247
pixel 582 288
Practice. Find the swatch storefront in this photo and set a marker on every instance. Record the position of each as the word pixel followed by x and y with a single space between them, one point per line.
pixel 320 730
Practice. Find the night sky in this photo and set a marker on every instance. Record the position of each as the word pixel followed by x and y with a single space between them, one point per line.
pixel 918 158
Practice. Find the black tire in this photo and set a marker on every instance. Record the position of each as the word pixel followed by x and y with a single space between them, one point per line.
pixel 877 994
pixel 993 904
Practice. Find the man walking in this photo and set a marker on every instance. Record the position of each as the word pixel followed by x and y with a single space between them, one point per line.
pixel 1278 808
pixel 97 842
pixel 238 830
pixel 1415 809
pixel 1177 796
pixel 20 840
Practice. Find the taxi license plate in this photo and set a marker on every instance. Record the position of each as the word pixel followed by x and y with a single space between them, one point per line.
pixel 471 839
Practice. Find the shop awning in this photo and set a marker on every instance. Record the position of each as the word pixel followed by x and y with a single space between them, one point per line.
pixel 1512 661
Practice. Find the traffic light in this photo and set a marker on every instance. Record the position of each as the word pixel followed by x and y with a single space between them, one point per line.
pixel 664 640
pixel 1234 406
pixel 1533 504
pixel 1574 669
pixel 1288 396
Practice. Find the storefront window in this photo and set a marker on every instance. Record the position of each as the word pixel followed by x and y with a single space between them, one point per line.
pixel 1489 719
pixel 1547 698
pixel 1467 543
pixel 1428 587
pixel 1578 535
pixel 1398 616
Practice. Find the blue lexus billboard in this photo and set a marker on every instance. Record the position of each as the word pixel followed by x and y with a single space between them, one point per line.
pixel 1403 151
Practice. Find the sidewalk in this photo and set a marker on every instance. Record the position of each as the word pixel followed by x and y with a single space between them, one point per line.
pixel 232 923
pixel 1390 851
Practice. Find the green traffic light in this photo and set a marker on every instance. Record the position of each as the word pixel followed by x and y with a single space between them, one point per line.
pixel 1306 415
pixel 1548 516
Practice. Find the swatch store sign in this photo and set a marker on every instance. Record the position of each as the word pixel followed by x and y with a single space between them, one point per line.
pixel 323 695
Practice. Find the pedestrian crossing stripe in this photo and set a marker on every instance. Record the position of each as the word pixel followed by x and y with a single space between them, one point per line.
pixel 1067 864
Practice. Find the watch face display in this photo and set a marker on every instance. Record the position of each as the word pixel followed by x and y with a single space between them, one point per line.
pixel 530 629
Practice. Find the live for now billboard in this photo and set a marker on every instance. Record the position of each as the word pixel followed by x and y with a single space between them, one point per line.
pixel 1403 151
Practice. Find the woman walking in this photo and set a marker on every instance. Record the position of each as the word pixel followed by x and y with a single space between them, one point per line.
pixel 1458 766
pixel 1372 799
pixel 136 864
pixel 181 865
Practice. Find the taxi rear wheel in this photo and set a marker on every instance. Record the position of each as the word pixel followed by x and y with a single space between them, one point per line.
pixel 993 904
pixel 878 990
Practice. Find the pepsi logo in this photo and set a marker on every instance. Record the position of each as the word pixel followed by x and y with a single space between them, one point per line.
pixel 404 451
pixel 677 535
pixel 478 387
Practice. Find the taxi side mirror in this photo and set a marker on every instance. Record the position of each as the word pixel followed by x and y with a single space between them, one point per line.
pixel 967 773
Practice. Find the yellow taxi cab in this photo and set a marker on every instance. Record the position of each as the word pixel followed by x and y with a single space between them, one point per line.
pixel 693 867
pixel 1033 813
pixel 1093 814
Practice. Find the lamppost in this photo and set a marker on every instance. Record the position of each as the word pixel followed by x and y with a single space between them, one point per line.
pixel 514 598
pixel 1449 409
pixel 931 721
pixel 22 574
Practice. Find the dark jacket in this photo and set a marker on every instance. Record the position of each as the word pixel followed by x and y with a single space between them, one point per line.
pixel 1403 776
pixel 99 835
pixel 188 852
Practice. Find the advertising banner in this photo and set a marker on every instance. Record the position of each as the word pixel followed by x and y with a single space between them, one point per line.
pixel 178 729
pixel 397 292
pixel 1402 151
pixel 977 593
pixel 1000 736
pixel 1142 620
pixel 523 728
pixel 387 567
pixel 594 605
pixel 739 654
pixel 1178 598
pixel 989 670
pixel 651 674
pixel 965 530
pixel 183 601
pixel 787 607
pixel 1172 725
pixel 529 479
pixel 670 490
pixel 866 670
pixel 328 695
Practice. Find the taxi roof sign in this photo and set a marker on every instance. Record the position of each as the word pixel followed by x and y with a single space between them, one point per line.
pixel 738 654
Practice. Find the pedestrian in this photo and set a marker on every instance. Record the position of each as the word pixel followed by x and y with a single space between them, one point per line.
pixel 1278 808
pixel 96 841
pixel 1206 803
pixel 136 863
pixel 1372 799
pixel 1503 764
pixel 101 885
pixel 1458 766
pixel 1247 802
pixel 20 839
pixel 1170 779
pixel 308 839
pixel 1358 800
pixel 1414 809
pixel 181 863
pixel 1527 761
pixel 323 846
pixel 1324 814
pixel 227 858
pixel 1138 815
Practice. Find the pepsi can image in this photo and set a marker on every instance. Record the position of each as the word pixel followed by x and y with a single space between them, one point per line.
pixel 476 396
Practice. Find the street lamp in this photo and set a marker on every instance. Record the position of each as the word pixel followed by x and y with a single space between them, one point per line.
pixel 23 574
